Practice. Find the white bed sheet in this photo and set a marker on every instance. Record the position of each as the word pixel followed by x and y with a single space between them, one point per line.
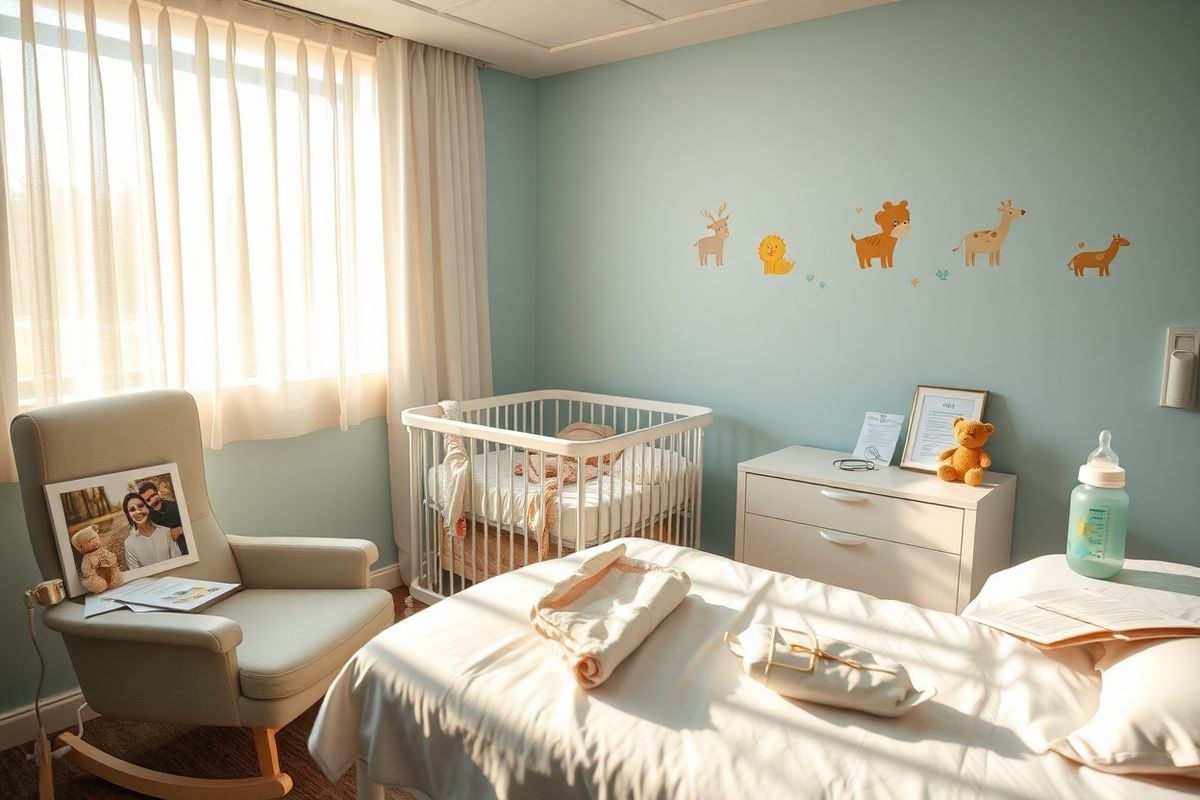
pixel 611 504
pixel 464 700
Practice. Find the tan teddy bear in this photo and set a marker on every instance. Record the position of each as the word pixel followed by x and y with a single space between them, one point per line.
pixel 98 569
pixel 967 461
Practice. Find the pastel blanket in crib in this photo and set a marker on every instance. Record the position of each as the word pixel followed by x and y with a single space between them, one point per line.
pixel 598 616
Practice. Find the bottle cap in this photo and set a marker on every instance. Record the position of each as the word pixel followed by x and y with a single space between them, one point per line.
pixel 1103 469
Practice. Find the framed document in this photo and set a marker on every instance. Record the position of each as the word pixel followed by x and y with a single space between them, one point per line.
pixel 931 429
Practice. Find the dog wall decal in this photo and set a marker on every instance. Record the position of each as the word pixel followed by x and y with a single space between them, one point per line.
pixel 1100 259
pixel 894 223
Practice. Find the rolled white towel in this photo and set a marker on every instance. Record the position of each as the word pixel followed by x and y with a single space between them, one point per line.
pixel 598 616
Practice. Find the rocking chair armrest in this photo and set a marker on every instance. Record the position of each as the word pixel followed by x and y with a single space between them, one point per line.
pixel 303 562
pixel 206 631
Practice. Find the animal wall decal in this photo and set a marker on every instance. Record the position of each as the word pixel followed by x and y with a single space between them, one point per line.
pixel 894 223
pixel 991 240
pixel 714 245
pixel 771 251
pixel 1100 259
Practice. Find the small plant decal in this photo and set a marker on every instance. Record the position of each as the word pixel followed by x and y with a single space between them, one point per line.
pixel 942 274
pixel 809 277
pixel 822 284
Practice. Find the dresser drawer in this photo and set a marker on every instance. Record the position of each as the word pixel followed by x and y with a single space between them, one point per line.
pixel 881 568
pixel 875 515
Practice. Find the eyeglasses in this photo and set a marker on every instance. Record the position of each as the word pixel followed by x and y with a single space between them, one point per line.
pixel 854 464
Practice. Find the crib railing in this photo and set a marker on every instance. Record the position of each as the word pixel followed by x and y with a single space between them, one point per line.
pixel 649 480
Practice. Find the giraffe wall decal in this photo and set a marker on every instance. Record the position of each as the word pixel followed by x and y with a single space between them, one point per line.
pixel 991 240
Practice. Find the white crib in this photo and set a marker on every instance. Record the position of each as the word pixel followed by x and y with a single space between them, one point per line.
pixel 649 482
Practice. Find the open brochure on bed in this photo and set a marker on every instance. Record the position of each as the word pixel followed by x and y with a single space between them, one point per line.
pixel 159 594
pixel 1065 617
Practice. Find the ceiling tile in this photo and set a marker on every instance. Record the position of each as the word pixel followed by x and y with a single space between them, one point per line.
pixel 438 5
pixel 551 24
pixel 668 9
pixel 629 32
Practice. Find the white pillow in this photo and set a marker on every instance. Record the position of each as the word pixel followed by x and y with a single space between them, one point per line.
pixel 645 464
pixel 1149 715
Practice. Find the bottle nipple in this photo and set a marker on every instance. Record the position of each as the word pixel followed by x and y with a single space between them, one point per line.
pixel 1104 453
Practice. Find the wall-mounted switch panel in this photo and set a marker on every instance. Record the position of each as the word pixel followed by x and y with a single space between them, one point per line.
pixel 1180 368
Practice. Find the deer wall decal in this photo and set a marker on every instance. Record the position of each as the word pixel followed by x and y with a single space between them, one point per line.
pixel 714 245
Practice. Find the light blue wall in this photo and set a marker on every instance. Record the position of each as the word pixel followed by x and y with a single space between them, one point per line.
pixel 1085 113
pixel 328 483
pixel 18 571
pixel 510 124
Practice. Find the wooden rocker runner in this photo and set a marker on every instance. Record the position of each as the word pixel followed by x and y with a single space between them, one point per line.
pixel 272 784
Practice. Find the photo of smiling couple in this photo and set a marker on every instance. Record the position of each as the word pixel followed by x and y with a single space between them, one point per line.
pixel 155 527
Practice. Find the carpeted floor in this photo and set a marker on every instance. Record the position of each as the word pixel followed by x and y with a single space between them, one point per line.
pixel 202 752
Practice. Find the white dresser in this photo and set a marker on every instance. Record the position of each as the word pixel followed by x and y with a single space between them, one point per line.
pixel 890 532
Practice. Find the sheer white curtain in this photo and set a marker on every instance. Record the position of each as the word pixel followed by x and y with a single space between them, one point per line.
pixel 192 199
pixel 284 217
pixel 435 243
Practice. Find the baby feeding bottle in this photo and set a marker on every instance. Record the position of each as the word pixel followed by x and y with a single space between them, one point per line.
pixel 1099 511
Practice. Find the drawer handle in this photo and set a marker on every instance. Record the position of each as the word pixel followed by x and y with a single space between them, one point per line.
pixel 845 497
pixel 844 539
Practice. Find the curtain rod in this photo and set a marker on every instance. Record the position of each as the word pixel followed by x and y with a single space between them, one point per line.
pixel 283 8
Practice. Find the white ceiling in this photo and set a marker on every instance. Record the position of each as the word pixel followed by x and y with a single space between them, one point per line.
pixel 536 38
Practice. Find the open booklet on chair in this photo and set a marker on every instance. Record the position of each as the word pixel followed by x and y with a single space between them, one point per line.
pixel 1076 616
pixel 161 594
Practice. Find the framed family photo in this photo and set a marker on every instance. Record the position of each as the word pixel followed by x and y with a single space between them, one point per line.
pixel 931 425
pixel 115 528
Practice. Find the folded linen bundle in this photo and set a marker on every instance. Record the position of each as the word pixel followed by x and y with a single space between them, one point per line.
pixel 597 617
pixel 796 664
pixel 453 477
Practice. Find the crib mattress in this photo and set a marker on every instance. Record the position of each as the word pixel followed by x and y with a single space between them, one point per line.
pixel 611 503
